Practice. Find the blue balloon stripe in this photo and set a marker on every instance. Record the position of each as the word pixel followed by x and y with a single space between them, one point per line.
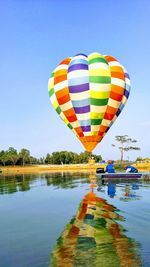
pixel 78 61
pixel 78 80
pixel 81 103
pixel 127 87
pixel 84 122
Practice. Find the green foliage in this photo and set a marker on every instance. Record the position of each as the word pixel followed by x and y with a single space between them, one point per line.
pixel 3 157
pixel 139 159
pixel 24 155
pixel 119 167
pixel 68 157
pixel 12 157
pixel 125 144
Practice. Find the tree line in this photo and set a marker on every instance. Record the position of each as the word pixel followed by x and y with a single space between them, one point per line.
pixel 12 157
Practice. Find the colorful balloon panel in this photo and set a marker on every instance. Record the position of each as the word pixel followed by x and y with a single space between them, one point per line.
pixel 89 93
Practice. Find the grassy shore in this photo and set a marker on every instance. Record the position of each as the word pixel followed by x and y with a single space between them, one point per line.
pixel 50 168
pixel 142 167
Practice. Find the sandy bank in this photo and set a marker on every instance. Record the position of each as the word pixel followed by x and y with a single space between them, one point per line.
pixel 50 168
pixel 142 167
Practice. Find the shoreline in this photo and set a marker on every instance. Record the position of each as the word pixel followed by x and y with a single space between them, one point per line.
pixel 12 170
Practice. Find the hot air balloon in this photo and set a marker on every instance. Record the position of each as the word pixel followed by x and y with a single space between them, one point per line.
pixel 89 93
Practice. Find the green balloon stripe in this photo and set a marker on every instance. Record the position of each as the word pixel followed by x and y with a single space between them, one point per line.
pixel 96 121
pixel 70 126
pixel 58 110
pixel 97 59
pixel 99 102
pixel 51 92
pixel 100 79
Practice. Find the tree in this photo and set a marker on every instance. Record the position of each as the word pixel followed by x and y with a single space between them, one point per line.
pixel 97 158
pixel 84 157
pixel 139 159
pixel 24 155
pixel 33 160
pixel 125 144
pixel 12 155
pixel 3 157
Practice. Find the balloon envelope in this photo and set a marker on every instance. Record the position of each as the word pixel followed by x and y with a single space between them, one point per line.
pixel 89 93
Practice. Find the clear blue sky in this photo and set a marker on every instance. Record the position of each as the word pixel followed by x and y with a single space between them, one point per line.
pixel 37 35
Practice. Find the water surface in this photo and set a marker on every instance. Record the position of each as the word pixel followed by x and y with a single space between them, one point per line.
pixel 65 219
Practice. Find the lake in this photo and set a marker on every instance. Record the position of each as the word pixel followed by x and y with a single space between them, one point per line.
pixel 73 219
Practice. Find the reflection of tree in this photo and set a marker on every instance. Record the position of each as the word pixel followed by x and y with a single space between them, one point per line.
pixel 65 180
pixel 24 182
pixel 12 184
pixel 94 238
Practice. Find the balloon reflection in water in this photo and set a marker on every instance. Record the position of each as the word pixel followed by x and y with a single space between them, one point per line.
pixel 94 238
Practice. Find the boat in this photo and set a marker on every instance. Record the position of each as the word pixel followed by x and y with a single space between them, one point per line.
pixel 120 175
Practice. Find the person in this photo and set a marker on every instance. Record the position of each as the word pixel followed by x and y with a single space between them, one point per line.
pixel 130 169
pixel 111 189
pixel 110 167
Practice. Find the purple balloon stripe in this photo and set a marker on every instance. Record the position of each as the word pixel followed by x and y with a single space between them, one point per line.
pixel 78 67
pixel 80 55
pixel 126 93
pixel 86 128
pixel 107 129
pixel 118 112
pixel 127 75
pixel 80 110
pixel 79 88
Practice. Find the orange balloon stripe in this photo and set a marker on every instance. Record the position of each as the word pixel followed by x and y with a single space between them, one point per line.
pixel 60 78
pixel 78 130
pixel 69 112
pixel 66 61
pixel 111 110
pixel 108 116
pixel 110 58
pixel 102 129
pixel 117 89
pixel 116 69
pixel 63 100
pixel 60 72
pixel 95 138
pixel 62 92
pixel 115 96
pixel 101 133
pixel 71 118
pixel 117 74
